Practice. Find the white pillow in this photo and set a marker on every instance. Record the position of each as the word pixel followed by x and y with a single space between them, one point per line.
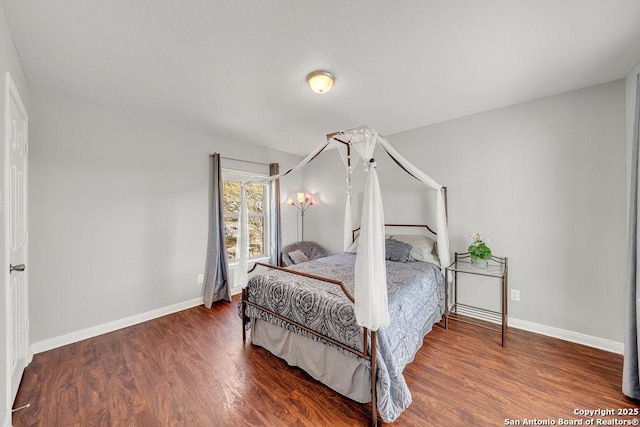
pixel 433 259
pixel 353 249
pixel 421 247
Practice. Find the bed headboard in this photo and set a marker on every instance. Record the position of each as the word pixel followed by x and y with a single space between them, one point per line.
pixel 356 231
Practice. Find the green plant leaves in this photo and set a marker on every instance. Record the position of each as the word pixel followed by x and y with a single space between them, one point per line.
pixel 479 250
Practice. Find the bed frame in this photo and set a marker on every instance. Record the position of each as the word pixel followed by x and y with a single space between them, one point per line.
pixel 367 354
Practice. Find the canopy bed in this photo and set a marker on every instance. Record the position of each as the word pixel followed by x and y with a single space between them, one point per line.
pixel 355 319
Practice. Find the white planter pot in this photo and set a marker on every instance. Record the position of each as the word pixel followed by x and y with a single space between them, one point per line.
pixel 480 263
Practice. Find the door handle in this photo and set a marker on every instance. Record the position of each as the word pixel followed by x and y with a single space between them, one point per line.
pixel 19 267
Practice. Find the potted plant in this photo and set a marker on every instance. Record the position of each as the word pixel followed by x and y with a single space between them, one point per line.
pixel 479 252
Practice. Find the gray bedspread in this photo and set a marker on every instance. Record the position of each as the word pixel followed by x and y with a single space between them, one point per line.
pixel 416 302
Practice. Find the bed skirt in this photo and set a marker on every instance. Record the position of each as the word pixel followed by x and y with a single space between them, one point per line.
pixel 345 374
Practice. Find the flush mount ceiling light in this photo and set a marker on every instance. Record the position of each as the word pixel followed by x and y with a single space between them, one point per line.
pixel 320 81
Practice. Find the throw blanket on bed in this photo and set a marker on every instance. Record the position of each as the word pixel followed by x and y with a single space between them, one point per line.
pixel 416 302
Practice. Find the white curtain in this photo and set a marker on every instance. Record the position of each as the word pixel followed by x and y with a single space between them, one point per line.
pixel 371 272
pixel 240 275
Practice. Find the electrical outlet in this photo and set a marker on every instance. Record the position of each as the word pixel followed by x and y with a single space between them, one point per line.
pixel 200 279
pixel 515 295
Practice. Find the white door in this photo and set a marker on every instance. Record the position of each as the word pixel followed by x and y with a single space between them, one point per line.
pixel 16 232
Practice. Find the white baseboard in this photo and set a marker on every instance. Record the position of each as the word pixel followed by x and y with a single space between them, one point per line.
pixel 550 331
pixel 563 334
pixel 51 343
pixel 576 337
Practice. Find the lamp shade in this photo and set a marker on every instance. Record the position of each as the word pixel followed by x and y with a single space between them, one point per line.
pixel 320 81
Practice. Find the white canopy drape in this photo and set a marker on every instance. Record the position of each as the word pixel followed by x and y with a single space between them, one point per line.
pixel 371 270
pixel 442 230
pixel 347 158
pixel 371 307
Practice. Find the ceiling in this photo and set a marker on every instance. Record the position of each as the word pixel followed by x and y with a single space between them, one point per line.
pixel 237 68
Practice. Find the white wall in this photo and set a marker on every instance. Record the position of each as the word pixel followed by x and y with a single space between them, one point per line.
pixel 545 180
pixel 9 61
pixel 118 212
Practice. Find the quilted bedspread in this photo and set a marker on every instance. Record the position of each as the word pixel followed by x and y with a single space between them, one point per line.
pixel 416 302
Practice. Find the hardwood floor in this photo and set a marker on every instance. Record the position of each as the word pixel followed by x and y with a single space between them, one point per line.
pixel 192 369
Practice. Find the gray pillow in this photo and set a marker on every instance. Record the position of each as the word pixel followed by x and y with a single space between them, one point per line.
pixel 396 250
pixel 298 256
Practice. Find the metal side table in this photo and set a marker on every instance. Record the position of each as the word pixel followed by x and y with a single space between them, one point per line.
pixel 498 267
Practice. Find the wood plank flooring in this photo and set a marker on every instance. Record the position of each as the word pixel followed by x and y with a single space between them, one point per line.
pixel 192 369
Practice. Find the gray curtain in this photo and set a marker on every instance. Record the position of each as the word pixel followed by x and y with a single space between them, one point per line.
pixel 276 228
pixel 216 273
pixel 631 369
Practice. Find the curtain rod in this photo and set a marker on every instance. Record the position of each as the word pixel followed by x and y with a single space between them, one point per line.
pixel 241 160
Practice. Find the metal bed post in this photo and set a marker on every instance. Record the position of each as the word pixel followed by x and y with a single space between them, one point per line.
pixel 455 288
pixel 446 203
pixel 374 376
pixel 446 298
pixel 365 338
pixel 243 307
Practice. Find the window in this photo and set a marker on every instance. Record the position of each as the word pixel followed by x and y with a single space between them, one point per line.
pixel 257 209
